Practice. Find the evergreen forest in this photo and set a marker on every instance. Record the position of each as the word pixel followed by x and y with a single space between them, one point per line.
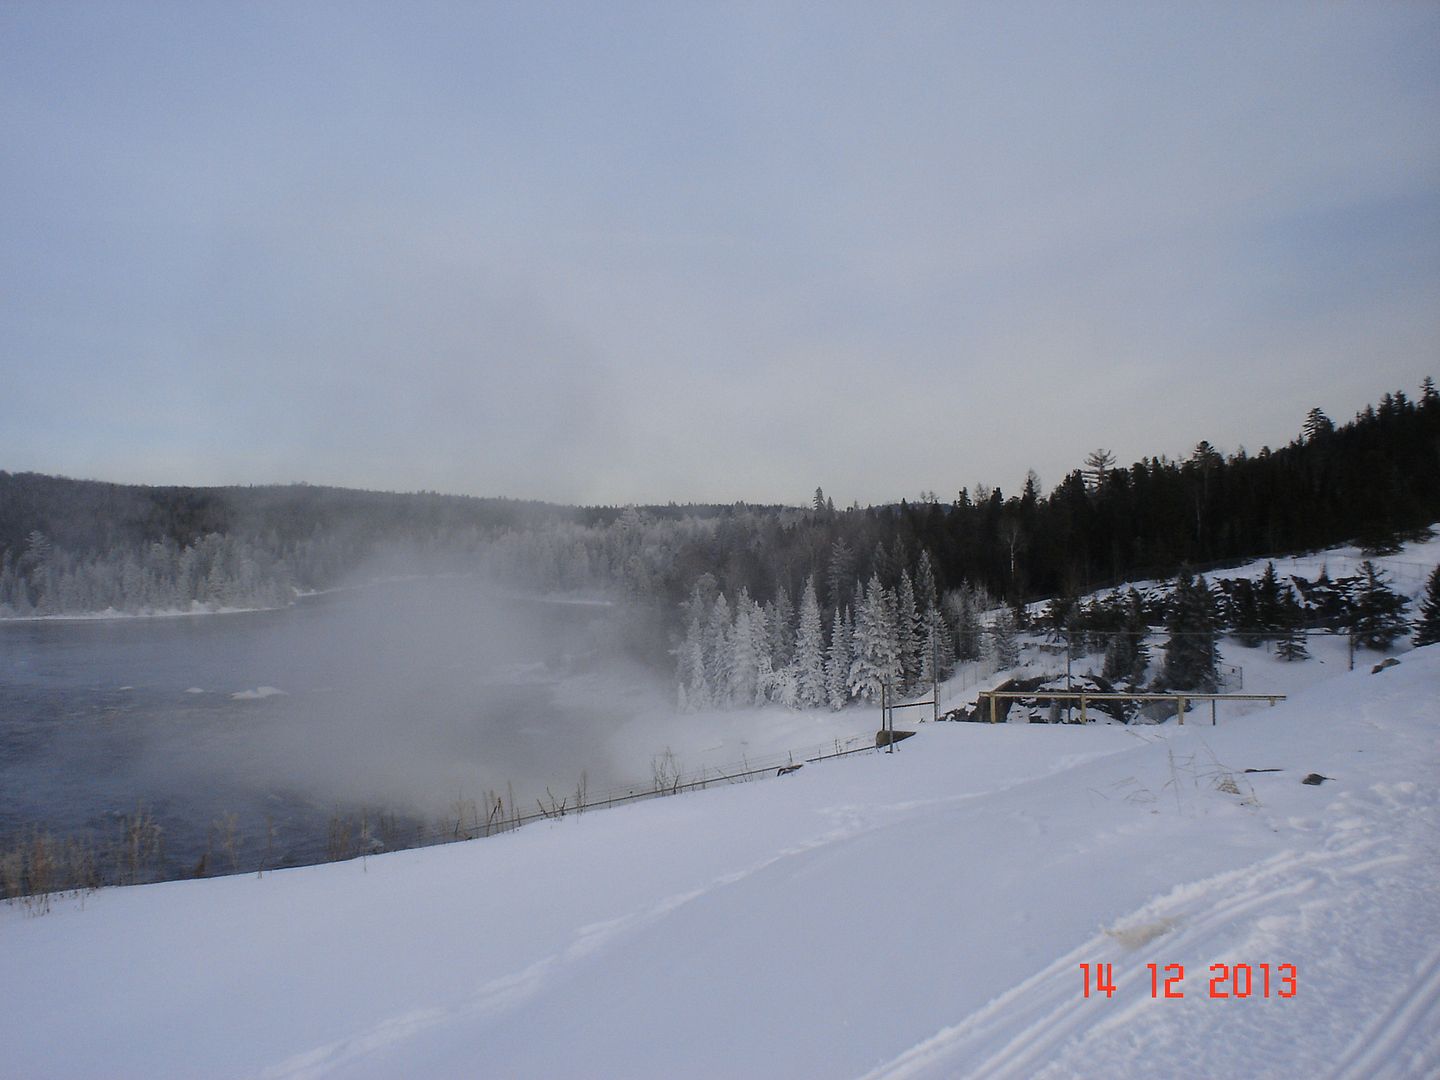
pixel 805 605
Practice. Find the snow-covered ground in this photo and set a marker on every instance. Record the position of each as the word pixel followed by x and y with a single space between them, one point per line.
pixel 921 914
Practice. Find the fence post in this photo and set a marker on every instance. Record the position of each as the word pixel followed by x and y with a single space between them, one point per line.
pixel 885 722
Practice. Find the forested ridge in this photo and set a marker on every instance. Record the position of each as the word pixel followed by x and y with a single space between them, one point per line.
pixel 72 545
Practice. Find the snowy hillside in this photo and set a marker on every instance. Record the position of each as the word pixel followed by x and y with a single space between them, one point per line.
pixel 1406 569
pixel 922 914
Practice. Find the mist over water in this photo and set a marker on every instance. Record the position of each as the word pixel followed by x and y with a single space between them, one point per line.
pixel 400 698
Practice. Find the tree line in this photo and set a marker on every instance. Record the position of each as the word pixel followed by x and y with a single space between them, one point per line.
pixel 919 572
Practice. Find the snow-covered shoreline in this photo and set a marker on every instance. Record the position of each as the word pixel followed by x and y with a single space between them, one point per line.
pixel 112 615
pixel 201 608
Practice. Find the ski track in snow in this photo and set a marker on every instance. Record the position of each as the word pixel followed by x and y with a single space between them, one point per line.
pixel 1380 1051
pixel 514 989
pixel 1042 1029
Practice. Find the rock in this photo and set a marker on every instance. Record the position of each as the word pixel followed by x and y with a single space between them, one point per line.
pixel 1315 779
pixel 883 737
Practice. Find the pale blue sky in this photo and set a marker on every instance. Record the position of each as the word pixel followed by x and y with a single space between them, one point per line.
pixel 615 252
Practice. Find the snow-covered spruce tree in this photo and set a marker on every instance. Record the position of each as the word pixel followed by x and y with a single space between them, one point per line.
pixel 766 684
pixel 837 661
pixel 888 627
pixel 1379 614
pixel 965 606
pixel 909 632
pixel 938 648
pixel 875 655
pixel 1003 644
pixel 1191 657
pixel 780 615
pixel 694 690
pixel 810 686
pixel 937 640
pixel 743 661
pixel 865 679
pixel 1427 627
pixel 718 659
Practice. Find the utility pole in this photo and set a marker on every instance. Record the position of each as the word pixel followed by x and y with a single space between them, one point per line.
pixel 934 670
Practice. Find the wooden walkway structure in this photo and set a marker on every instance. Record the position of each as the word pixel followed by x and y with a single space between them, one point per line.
pixel 1083 696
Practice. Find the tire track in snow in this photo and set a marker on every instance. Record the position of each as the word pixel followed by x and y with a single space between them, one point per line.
pixel 1021 1030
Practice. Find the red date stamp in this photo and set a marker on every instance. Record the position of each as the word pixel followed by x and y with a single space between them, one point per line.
pixel 1226 980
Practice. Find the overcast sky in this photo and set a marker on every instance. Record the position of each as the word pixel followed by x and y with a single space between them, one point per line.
pixel 610 252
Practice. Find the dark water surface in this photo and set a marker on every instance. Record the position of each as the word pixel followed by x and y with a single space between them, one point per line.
pixel 401 698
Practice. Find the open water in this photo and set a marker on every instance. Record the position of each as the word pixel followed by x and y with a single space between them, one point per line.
pixel 400 698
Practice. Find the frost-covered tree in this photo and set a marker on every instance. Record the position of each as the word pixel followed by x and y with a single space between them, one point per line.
pixel 694 689
pixel 837 661
pixel 744 661
pixel 909 632
pixel 937 656
pixel 780 616
pixel 761 638
pixel 965 606
pixel 1002 642
pixel 875 654
pixel 811 689
pixel 718 658
pixel 866 665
